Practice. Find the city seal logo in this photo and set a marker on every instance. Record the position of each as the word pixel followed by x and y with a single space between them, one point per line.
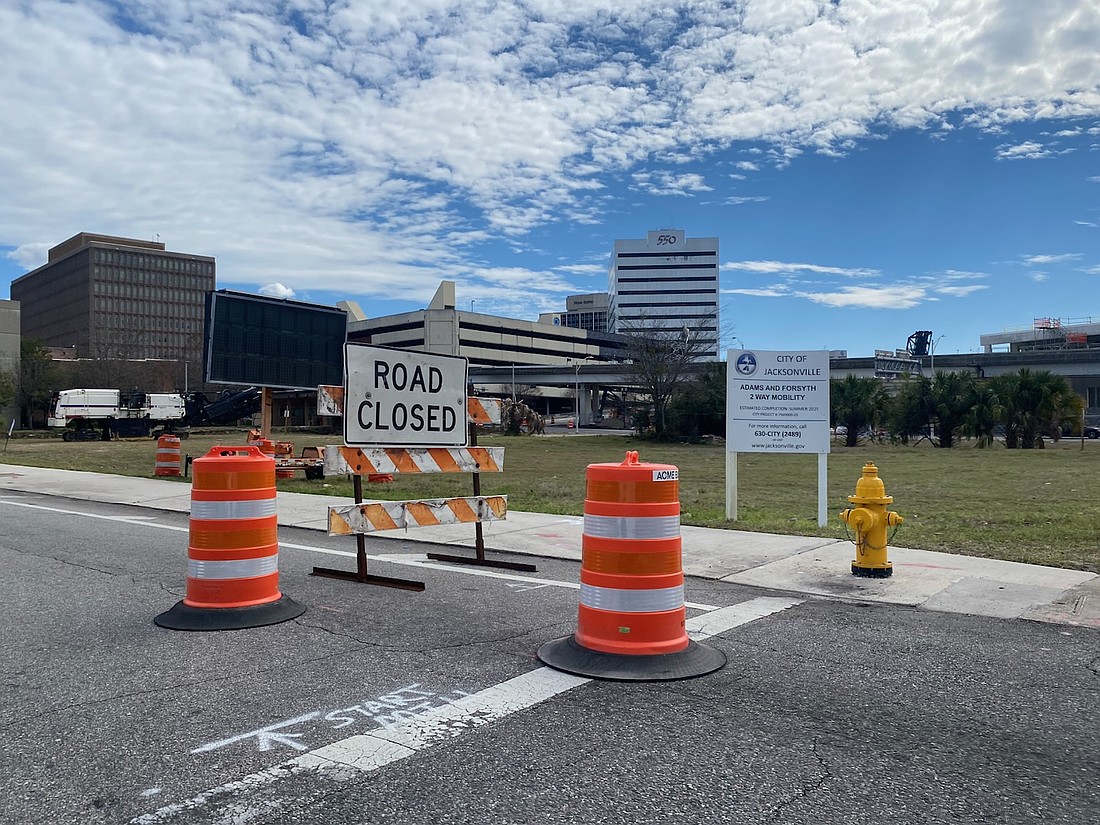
pixel 746 364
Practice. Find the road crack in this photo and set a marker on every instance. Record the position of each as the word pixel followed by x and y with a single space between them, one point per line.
pixel 775 814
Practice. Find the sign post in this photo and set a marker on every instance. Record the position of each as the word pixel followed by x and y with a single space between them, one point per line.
pixel 777 402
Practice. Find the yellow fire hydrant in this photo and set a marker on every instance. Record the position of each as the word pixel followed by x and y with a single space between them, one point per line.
pixel 870 518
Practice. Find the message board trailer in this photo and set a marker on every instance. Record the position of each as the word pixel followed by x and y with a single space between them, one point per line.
pixel 777 402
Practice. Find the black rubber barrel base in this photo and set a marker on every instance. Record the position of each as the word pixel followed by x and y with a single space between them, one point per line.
pixel 567 655
pixel 185 617
pixel 872 572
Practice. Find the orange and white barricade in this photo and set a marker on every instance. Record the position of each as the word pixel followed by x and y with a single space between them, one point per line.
pixel 233 552
pixel 168 456
pixel 631 617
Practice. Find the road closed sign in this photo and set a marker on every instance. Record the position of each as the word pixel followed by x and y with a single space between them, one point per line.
pixel 403 398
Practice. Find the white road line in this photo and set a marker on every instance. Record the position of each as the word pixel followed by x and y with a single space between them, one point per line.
pixel 370 751
pixel 387 558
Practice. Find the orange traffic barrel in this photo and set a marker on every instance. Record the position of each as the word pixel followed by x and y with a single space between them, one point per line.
pixel 168 456
pixel 233 552
pixel 631 618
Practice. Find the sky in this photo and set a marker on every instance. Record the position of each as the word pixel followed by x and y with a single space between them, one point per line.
pixel 870 167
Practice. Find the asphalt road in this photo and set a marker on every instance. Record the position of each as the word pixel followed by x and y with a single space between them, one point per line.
pixel 431 707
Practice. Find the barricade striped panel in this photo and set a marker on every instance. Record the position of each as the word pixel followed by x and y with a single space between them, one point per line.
pixel 330 401
pixel 341 460
pixel 355 519
pixel 484 410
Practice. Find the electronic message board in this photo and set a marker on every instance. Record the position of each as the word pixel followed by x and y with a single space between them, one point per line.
pixel 272 342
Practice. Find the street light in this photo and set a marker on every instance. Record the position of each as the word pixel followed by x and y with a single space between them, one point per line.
pixel 932 364
pixel 932 368
pixel 513 383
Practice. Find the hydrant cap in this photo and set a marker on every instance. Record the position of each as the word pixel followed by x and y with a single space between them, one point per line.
pixel 870 489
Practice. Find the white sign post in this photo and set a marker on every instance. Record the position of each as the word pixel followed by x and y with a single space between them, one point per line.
pixel 403 398
pixel 777 402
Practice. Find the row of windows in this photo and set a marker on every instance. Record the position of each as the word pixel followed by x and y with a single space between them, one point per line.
pixel 144 276
pixel 145 322
pixel 620 255
pixel 147 308
pixel 669 278
pixel 181 302
pixel 660 268
pixel 156 345
pixel 163 263
pixel 106 308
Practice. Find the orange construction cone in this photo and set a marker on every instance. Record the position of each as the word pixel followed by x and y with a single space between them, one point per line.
pixel 168 456
pixel 630 623
pixel 233 553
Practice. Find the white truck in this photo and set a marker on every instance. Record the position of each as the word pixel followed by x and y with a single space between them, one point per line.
pixel 90 415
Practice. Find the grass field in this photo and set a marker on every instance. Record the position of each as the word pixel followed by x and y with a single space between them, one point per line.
pixel 1036 506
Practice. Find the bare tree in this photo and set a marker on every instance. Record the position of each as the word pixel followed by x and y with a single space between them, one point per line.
pixel 660 361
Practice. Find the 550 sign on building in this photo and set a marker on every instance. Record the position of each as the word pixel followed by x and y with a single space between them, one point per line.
pixel 398 397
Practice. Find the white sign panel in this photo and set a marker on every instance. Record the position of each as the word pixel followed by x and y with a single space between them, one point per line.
pixel 777 402
pixel 403 398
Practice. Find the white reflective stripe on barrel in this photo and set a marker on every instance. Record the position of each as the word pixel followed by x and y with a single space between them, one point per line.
pixel 174 464
pixel 249 508
pixel 235 569
pixel 632 601
pixel 626 527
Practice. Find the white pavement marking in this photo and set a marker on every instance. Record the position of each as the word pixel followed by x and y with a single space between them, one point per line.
pixel 390 558
pixel 370 751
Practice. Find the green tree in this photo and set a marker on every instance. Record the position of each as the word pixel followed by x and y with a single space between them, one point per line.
pixel 856 403
pixel 38 377
pixel 907 413
pixel 951 395
pixel 1034 403
pixel 7 394
pixel 700 407
pixel 980 421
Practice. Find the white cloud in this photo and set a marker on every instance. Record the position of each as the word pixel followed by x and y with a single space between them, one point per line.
pixel 1032 260
pixel 773 267
pixel 961 291
pixel 1038 276
pixel 1029 150
pixel 30 255
pixel 276 291
pixel 378 150
pixel 871 297
pixel 666 183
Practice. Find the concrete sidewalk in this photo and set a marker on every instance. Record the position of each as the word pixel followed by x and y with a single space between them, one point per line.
pixel 800 564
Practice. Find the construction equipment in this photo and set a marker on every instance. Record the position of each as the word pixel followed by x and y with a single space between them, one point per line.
pixel 100 414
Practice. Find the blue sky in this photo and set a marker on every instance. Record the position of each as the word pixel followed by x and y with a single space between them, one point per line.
pixel 870 169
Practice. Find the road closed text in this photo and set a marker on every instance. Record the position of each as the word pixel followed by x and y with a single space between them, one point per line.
pixel 417 416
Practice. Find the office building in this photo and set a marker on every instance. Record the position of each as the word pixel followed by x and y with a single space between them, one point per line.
pixel 117 298
pixel 581 312
pixel 9 351
pixel 666 284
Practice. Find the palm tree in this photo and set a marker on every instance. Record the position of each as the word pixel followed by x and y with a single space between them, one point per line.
pixel 856 403
pixel 1036 403
pixel 980 421
pixel 951 396
pixel 908 411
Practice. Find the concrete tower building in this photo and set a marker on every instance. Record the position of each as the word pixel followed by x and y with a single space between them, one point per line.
pixel 666 282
